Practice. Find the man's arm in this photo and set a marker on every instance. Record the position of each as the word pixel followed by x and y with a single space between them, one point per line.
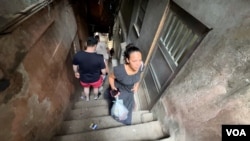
pixel 103 71
pixel 75 69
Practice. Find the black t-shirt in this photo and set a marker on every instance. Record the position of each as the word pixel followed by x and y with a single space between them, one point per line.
pixel 90 65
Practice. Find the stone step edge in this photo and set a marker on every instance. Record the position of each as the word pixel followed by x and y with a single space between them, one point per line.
pixel 74 126
pixel 129 129
pixel 91 103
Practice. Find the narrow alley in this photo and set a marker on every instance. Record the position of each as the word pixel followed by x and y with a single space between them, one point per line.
pixel 195 83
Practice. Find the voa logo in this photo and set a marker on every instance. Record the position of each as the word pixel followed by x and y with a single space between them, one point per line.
pixel 236 132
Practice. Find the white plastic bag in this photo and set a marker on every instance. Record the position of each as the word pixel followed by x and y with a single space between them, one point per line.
pixel 118 110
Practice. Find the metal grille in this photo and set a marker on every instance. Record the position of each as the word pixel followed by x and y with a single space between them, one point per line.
pixel 177 38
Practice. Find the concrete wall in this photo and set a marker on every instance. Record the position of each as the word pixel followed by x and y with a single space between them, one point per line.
pixel 213 88
pixel 14 8
pixel 151 21
pixel 36 58
pixel 125 15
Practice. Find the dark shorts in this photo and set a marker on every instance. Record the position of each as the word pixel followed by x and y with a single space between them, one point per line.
pixel 96 84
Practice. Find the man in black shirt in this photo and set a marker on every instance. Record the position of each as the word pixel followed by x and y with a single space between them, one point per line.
pixel 87 65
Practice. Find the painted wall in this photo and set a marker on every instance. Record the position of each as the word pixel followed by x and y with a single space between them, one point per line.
pixel 36 57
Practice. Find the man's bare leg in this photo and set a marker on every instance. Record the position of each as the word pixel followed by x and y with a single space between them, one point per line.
pixel 95 91
pixel 86 92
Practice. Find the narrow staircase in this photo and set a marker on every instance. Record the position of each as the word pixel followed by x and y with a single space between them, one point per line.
pixel 77 124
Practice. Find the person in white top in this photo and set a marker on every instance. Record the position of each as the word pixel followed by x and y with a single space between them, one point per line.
pixel 102 49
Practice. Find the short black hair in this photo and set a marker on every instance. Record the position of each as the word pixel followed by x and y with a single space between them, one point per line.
pixel 91 41
pixel 97 37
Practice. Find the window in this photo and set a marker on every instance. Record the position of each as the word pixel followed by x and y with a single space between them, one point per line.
pixel 140 16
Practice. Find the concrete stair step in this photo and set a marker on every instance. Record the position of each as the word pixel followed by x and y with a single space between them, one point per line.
pixel 78 126
pixel 87 112
pixel 166 139
pixel 91 96
pixel 91 103
pixel 146 131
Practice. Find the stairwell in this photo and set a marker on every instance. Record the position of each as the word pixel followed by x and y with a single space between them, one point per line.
pixel 77 123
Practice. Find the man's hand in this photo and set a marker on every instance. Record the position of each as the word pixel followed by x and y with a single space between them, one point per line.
pixel 77 75
pixel 75 69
